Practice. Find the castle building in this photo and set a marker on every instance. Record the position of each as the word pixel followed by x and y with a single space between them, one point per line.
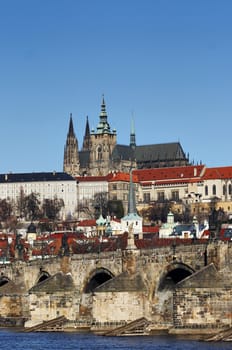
pixel 45 184
pixel 101 154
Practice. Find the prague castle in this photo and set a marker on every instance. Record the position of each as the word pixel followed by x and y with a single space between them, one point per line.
pixel 101 154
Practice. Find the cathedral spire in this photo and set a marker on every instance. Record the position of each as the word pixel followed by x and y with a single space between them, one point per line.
pixel 87 130
pixel 86 141
pixel 71 129
pixel 71 163
pixel 103 115
pixel 103 125
pixel 132 135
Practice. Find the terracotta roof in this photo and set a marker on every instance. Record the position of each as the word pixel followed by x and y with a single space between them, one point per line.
pixel 151 229
pixel 87 223
pixel 91 178
pixel 218 173
pixel 120 176
pixel 174 173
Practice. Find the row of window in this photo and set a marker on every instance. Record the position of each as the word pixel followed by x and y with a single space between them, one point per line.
pixel 175 194
pixel 214 190
pixel 161 196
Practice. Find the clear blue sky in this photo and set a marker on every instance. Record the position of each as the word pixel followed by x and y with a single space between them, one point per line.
pixel 167 63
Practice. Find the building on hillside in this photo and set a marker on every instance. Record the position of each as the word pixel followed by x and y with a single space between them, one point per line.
pixel 217 183
pixel 172 229
pixel 88 188
pixel 119 184
pixel 45 185
pixel 195 186
pixel 173 184
pixel 101 154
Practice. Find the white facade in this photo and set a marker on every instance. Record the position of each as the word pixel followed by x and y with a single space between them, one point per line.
pixel 47 187
pixel 88 187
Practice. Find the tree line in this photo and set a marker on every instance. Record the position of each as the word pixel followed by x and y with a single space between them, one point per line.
pixel 30 208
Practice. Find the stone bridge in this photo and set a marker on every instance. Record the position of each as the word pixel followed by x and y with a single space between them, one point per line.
pixel 105 288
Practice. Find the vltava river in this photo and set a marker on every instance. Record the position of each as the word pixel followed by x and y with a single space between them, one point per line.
pixel 70 341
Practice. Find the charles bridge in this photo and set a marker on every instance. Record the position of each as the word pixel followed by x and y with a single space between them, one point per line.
pixel 108 288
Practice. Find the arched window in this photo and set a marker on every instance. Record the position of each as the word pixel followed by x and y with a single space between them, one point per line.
pixel 224 190
pixel 99 152
pixel 206 191
pixel 214 190
pixel 230 189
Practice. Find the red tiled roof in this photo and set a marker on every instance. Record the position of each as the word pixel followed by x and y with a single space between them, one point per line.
pixel 91 178
pixel 218 173
pixel 174 173
pixel 151 229
pixel 87 223
pixel 119 176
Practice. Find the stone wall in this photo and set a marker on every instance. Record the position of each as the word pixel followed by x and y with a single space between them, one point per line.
pixel 119 306
pixel 45 307
pixel 203 308
pixel 204 299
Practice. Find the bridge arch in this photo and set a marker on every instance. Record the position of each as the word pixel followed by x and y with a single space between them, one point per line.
pixel 96 278
pixel 43 275
pixel 4 280
pixel 173 274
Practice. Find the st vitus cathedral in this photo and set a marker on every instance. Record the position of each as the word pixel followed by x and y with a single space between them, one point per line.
pixel 100 153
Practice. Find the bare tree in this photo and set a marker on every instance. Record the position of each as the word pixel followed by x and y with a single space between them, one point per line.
pixel 32 206
pixel 5 209
pixel 21 204
pixel 51 207
pixel 100 202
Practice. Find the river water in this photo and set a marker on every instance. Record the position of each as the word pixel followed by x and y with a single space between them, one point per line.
pixel 83 341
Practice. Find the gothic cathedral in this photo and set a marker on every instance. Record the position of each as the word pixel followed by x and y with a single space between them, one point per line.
pixel 100 153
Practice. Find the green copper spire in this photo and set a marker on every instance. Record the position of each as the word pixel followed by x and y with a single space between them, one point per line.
pixel 103 126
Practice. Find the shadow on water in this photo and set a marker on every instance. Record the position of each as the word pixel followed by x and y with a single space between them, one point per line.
pixel 79 341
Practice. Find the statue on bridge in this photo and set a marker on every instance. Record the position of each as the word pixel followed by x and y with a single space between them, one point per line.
pixel 64 245
pixel 130 239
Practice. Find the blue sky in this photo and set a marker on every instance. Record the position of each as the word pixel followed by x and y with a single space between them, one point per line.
pixel 165 63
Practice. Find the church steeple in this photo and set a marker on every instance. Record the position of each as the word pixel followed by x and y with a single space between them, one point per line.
pixel 132 135
pixel 132 219
pixel 86 141
pixel 71 130
pixel 103 125
pixel 71 155
pixel 131 197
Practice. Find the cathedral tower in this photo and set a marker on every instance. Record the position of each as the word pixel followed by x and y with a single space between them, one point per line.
pixel 102 143
pixel 71 156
